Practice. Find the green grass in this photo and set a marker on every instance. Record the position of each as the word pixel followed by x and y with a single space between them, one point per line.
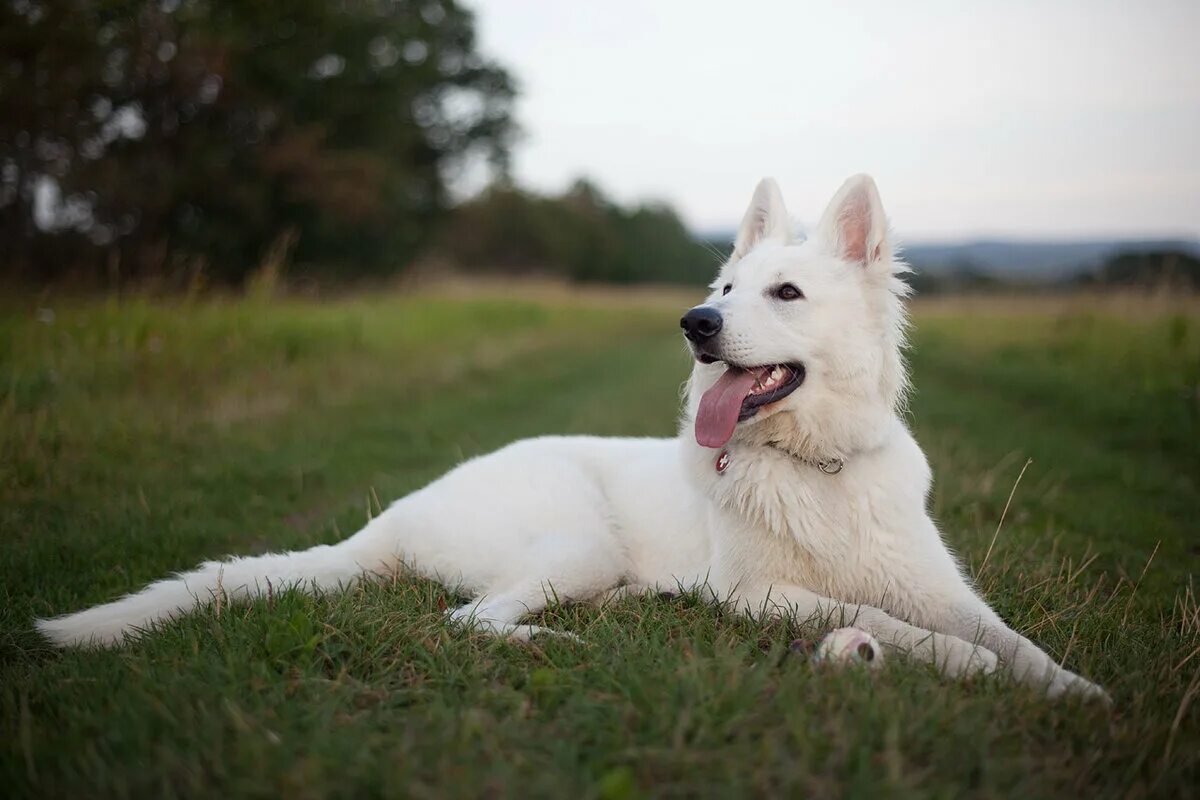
pixel 140 438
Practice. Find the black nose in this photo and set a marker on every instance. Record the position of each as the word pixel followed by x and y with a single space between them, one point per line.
pixel 701 323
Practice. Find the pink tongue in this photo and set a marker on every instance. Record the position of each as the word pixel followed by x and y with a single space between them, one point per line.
pixel 720 406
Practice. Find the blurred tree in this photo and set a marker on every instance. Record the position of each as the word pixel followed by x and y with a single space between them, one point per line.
pixel 580 235
pixel 1152 269
pixel 141 138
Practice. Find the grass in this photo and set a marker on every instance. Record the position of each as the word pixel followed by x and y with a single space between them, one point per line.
pixel 138 438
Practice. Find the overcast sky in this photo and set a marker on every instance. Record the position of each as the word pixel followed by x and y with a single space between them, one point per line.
pixel 1057 119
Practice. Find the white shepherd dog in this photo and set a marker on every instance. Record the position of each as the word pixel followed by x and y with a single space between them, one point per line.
pixel 794 486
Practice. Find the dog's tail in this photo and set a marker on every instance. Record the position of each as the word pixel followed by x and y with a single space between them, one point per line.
pixel 321 567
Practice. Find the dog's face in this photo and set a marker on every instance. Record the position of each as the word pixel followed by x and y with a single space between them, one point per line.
pixel 799 335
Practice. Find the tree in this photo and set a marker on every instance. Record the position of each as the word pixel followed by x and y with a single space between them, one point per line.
pixel 139 137
pixel 581 235
pixel 1151 269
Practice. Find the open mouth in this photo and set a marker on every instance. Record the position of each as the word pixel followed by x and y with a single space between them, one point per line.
pixel 771 384
pixel 739 394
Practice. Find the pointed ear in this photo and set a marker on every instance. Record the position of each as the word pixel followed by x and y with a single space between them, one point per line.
pixel 854 225
pixel 766 219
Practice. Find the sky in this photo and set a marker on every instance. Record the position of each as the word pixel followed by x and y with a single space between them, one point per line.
pixel 1054 119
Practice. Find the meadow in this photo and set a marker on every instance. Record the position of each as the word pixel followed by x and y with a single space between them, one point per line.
pixel 138 437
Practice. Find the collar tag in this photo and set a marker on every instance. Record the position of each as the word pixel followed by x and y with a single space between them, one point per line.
pixel 831 466
pixel 722 462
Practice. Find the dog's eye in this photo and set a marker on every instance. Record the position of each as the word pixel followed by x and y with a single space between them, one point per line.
pixel 728 288
pixel 789 292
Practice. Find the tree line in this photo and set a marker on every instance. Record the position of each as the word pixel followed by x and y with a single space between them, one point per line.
pixel 580 234
pixel 164 140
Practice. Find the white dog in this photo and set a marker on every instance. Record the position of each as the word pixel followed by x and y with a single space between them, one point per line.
pixel 793 487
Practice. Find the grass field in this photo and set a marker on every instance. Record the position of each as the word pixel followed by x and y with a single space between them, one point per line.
pixel 138 438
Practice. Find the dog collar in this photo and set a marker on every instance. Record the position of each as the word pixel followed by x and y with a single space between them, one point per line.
pixel 829 466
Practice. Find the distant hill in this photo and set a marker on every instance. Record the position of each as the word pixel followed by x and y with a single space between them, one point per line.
pixel 1033 260
pixel 1016 259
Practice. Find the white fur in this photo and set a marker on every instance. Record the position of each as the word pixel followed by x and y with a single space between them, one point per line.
pixel 583 518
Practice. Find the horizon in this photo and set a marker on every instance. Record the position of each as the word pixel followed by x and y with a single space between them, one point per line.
pixel 1062 122
pixel 954 240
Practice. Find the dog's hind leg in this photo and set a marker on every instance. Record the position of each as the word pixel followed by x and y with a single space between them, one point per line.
pixel 568 567
pixel 500 613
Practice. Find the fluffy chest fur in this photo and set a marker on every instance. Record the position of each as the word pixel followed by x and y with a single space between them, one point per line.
pixel 780 519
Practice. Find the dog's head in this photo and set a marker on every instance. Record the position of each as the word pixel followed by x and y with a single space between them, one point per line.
pixel 799 343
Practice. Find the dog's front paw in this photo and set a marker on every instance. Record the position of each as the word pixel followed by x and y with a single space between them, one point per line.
pixel 1067 683
pixel 966 660
pixel 983 661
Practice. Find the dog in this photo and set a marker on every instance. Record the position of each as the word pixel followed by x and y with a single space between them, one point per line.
pixel 793 488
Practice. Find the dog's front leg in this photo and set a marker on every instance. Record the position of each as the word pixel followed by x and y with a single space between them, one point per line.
pixel 927 587
pixel 969 617
pixel 952 655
